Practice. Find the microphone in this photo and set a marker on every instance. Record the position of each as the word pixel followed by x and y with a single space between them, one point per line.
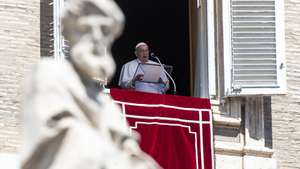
pixel 152 55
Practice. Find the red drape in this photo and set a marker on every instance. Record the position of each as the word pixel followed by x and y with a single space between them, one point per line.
pixel 175 130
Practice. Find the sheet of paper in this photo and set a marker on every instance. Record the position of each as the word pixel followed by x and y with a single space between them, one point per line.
pixel 152 72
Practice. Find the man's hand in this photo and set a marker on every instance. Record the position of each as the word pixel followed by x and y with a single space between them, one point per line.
pixel 139 77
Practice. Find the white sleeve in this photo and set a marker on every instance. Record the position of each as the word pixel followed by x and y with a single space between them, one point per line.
pixel 126 76
pixel 121 75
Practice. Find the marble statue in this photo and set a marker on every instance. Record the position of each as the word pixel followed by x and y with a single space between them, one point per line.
pixel 69 123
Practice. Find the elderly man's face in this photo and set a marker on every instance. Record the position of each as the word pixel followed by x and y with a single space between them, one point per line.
pixel 89 36
pixel 142 53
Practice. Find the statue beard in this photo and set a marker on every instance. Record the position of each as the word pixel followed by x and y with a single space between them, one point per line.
pixel 93 60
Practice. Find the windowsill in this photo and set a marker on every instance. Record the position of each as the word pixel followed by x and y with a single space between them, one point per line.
pixel 240 150
pixel 226 121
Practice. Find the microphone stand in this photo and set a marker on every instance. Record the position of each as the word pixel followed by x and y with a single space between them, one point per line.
pixel 174 85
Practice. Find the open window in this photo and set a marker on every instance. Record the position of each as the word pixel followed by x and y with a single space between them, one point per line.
pixel 229 48
pixel 164 25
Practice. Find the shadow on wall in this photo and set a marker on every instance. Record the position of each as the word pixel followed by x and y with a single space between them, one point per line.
pixel 268 122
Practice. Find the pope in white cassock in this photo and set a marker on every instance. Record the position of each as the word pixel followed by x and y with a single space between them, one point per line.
pixel 131 77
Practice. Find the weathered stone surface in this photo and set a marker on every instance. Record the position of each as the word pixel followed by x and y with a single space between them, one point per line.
pixel 19 49
pixel 286 108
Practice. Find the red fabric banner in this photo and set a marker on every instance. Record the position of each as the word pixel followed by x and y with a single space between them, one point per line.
pixel 175 130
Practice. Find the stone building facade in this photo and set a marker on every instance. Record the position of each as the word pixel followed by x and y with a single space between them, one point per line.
pixel 286 108
pixel 260 129
pixel 20 48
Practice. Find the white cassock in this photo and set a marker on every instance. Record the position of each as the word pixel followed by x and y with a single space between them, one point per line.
pixel 130 69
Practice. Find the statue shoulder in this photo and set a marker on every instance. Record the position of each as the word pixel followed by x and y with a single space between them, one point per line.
pixel 50 69
pixel 52 74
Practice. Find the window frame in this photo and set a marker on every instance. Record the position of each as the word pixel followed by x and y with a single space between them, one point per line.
pixel 212 84
pixel 58 39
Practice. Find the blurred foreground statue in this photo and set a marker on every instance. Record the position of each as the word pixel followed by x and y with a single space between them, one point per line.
pixel 67 123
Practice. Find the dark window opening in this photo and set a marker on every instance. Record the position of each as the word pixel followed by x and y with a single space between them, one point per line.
pixel 164 26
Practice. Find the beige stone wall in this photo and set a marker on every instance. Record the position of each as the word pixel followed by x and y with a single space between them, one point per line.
pixel 19 49
pixel 286 109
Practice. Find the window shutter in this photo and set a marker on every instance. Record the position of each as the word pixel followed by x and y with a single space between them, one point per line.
pixel 256 52
pixel 59 41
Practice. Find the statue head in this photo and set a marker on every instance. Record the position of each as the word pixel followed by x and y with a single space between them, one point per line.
pixel 91 26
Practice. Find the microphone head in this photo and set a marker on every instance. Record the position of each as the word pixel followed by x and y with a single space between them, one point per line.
pixel 152 54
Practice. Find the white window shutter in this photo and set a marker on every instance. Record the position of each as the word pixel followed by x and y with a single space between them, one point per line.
pixel 59 41
pixel 255 31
